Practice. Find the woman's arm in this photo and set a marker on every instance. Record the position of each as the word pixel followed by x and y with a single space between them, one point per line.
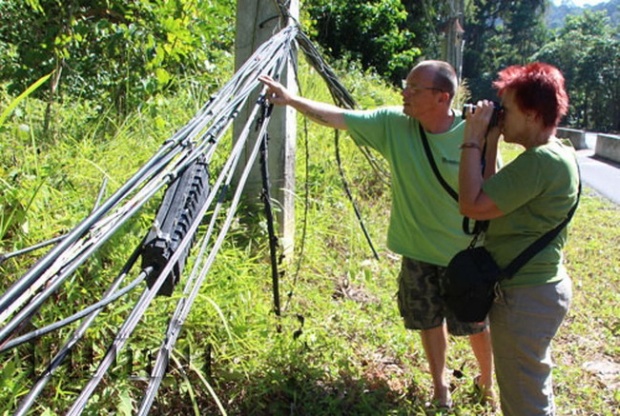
pixel 473 202
pixel 491 155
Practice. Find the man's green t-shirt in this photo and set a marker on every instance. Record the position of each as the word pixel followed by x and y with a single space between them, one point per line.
pixel 535 192
pixel 425 223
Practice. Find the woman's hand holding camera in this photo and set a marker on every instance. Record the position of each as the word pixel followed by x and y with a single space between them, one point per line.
pixel 482 123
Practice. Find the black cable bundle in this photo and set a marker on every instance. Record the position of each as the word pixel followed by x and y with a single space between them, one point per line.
pixel 183 198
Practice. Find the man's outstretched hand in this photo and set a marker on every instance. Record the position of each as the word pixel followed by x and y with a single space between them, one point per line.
pixel 276 93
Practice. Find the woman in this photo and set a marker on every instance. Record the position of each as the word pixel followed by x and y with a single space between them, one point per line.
pixel 525 199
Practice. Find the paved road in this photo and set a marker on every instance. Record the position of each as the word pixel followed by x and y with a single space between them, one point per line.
pixel 598 174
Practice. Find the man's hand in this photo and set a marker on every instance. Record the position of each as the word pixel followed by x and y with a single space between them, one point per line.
pixel 322 113
pixel 276 93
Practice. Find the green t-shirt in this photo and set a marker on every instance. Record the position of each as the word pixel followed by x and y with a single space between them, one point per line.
pixel 425 223
pixel 535 192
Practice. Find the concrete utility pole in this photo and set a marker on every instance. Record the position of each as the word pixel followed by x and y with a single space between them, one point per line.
pixel 257 21
pixel 453 39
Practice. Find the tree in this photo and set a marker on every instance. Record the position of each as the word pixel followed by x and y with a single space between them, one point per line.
pixel 587 51
pixel 372 32
pixel 426 19
pixel 436 24
pixel 114 51
pixel 499 33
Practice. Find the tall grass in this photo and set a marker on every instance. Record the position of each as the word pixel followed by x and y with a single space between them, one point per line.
pixel 339 347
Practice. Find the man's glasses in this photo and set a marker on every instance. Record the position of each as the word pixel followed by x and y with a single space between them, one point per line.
pixel 414 88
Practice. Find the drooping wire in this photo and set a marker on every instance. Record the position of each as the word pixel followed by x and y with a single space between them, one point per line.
pixel 74 242
pixel 105 301
pixel 188 298
pixel 273 239
pixel 342 98
pixel 345 184
pixel 196 278
pixel 149 294
pixel 340 95
pixel 102 227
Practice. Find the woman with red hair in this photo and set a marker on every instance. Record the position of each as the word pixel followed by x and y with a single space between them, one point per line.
pixel 523 200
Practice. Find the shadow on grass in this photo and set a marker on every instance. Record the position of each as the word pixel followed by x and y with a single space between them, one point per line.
pixel 294 388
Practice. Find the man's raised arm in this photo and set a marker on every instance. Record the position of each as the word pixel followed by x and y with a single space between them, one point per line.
pixel 326 114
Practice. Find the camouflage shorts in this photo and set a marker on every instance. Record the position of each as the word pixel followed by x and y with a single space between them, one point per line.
pixel 420 302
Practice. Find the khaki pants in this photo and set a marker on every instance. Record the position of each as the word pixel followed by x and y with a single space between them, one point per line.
pixel 523 321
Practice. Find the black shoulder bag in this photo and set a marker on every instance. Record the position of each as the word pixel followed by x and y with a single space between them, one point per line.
pixel 470 278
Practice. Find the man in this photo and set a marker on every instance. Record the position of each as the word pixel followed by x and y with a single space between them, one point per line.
pixel 425 223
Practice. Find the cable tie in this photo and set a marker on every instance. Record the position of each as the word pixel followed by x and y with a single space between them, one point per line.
pixel 171 176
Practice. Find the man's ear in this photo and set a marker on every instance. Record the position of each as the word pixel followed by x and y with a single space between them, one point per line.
pixel 444 97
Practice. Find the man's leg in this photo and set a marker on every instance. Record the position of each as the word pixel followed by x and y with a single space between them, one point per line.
pixel 481 346
pixel 421 306
pixel 435 342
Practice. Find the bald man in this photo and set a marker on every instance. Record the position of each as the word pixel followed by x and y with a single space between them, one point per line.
pixel 425 224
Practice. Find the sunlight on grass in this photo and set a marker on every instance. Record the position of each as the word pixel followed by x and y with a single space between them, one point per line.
pixel 339 346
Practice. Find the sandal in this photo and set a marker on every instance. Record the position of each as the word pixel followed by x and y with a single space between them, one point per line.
pixel 438 408
pixel 483 394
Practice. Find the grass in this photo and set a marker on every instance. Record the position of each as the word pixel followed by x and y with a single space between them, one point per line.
pixel 339 347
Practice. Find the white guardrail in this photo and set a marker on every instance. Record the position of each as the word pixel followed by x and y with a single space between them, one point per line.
pixel 607 145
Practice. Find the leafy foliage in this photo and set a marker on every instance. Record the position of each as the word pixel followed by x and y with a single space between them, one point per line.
pixel 121 53
pixel 587 50
pixel 339 346
pixel 556 15
pixel 116 51
pixel 427 19
pixel 499 33
pixel 372 32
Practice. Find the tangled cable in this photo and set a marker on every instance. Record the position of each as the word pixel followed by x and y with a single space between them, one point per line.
pixel 182 160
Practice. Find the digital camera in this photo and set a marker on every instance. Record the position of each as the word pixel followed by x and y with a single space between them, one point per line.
pixel 497 112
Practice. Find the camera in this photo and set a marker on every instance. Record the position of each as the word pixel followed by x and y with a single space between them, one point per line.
pixel 497 111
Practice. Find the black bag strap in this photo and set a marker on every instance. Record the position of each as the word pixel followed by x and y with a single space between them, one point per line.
pixel 542 241
pixel 479 226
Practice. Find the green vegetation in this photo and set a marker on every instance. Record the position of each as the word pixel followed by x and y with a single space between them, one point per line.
pixel 340 347
pixel 498 34
pixel 122 53
pixel 384 35
pixel 118 78
pixel 375 33
pixel 587 49
pixel 115 52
